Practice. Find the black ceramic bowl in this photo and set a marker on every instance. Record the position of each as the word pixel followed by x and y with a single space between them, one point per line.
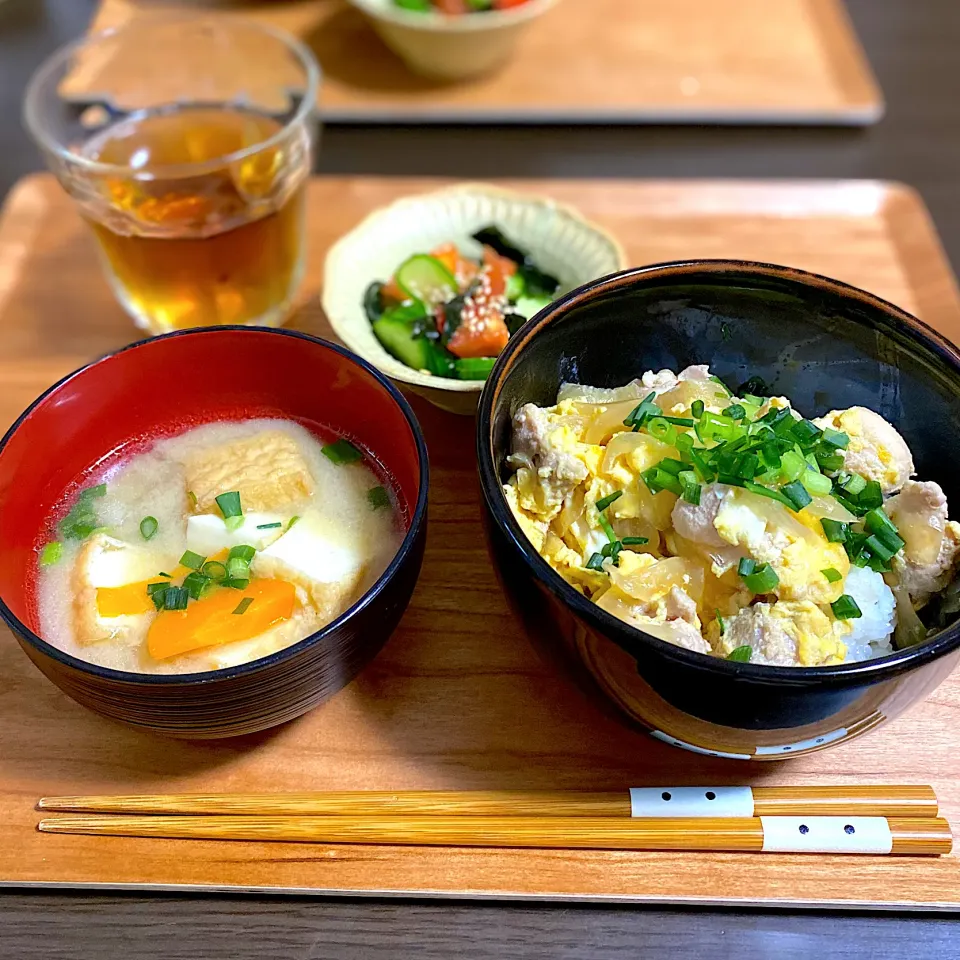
pixel 821 343
pixel 220 373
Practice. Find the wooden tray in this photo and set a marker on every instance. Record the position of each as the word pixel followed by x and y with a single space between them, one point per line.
pixel 457 699
pixel 596 61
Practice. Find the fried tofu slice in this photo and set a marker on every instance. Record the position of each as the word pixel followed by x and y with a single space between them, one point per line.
pixel 267 469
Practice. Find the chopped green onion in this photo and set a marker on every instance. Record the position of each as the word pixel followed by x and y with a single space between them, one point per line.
pixel 237 584
pixel 715 426
pixel 746 566
pixel 238 569
pixel 834 530
pixel 806 432
pixel 870 496
pixel 148 527
pixel 735 411
pixel 797 494
pixel 378 498
pixel 175 598
pixel 192 497
pixel 697 408
pixel 679 421
pixel 831 462
pixel 658 479
pixel 192 560
pixel 243 606
pixel 154 588
pixel 607 528
pixel 792 466
pixel 233 523
pixel 612 550
pixel 671 466
pixel 595 562
pixel 720 623
pixel 90 493
pixel 634 541
pixel 761 578
pixel 876 521
pixel 269 526
pixel 832 574
pixel 748 466
pixel 846 608
pixel 51 553
pixel 229 504
pixel 167 575
pixel 242 552
pixel 293 520
pixel 768 492
pixel 605 502
pixel 741 654
pixel 196 584
pixel 879 549
pixel 816 483
pixel 642 412
pixel 214 569
pixel 341 452
pixel 690 489
pixel 854 484
pixel 835 438
pixel 659 429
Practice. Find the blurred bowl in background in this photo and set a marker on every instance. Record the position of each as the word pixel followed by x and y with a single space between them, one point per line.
pixel 558 239
pixel 446 47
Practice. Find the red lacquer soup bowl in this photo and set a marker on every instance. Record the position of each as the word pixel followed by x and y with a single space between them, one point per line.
pixel 168 384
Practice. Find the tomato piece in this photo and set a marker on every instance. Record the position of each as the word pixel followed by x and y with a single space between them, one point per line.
pixel 507 4
pixel 448 255
pixel 392 292
pixel 483 331
pixel 451 6
pixel 498 269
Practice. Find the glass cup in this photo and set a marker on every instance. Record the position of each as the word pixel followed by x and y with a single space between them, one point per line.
pixel 187 143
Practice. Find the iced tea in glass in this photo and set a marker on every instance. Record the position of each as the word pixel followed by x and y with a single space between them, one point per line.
pixel 187 143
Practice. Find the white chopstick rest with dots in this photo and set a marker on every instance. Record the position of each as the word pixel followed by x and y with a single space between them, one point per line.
pixel 826 835
pixel 691 802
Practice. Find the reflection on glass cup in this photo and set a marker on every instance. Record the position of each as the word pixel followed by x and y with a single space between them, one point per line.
pixel 187 143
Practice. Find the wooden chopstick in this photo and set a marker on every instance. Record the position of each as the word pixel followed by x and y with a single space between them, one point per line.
pixel 915 836
pixel 852 800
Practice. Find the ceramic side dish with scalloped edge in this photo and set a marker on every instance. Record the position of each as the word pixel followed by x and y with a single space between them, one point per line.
pixel 557 238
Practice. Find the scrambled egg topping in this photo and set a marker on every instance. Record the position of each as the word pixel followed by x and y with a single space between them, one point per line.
pixel 673 565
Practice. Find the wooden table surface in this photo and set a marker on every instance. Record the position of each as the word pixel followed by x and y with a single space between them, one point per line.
pixel 912 46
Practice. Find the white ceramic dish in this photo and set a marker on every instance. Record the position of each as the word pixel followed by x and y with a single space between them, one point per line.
pixel 450 47
pixel 560 241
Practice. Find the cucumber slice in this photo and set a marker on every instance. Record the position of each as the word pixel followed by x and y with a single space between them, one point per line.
pixel 426 279
pixel 397 339
pixel 529 306
pixel 516 288
pixel 475 368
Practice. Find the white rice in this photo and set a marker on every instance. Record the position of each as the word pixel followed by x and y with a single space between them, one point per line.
pixel 873 631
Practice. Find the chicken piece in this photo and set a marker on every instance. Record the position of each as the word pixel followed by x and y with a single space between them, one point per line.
pixel 550 460
pixel 267 469
pixel 666 619
pixel 696 523
pixel 923 580
pixel 876 451
pixel 786 634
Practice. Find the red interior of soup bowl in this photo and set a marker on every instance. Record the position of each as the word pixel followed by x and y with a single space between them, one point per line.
pixel 163 386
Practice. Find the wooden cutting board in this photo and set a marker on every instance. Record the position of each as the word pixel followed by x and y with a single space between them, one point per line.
pixel 458 699
pixel 592 61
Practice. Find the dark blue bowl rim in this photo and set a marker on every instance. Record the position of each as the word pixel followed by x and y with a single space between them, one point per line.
pixel 630 639
pixel 417 521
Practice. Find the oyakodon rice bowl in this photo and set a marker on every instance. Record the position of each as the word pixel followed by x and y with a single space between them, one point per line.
pixel 729 524
pixel 775 589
